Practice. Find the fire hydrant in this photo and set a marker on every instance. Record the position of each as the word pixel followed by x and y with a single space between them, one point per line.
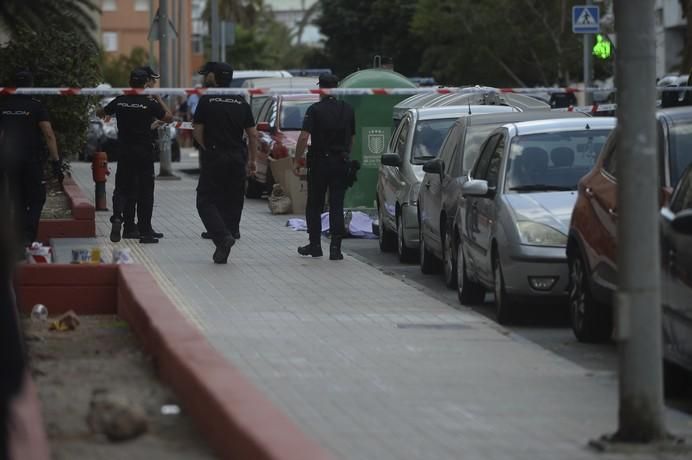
pixel 100 172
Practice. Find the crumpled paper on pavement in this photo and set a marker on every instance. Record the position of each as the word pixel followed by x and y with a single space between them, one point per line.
pixel 67 322
pixel 358 224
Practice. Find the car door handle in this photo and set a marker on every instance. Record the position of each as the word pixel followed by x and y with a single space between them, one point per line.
pixel 612 212
pixel 588 191
pixel 427 184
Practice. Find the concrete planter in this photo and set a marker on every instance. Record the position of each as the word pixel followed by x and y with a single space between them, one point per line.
pixel 81 225
pixel 236 419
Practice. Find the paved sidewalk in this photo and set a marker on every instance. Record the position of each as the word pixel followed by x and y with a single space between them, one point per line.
pixel 367 365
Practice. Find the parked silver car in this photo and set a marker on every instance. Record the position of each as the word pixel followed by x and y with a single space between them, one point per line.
pixel 416 140
pixel 511 233
pixel 676 270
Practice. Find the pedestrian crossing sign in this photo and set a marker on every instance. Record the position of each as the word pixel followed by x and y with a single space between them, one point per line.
pixel 586 19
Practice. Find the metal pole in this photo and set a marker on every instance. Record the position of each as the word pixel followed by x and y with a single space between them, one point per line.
pixel 179 42
pixel 588 63
pixel 165 169
pixel 638 301
pixel 151 42
pixel 175 57
pixel 223 41
pixel 215 30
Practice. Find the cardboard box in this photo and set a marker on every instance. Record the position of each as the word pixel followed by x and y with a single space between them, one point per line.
pixel 297 190
pixel 279 168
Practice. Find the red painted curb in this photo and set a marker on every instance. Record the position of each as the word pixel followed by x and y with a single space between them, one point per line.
pixel 82 224
pixel 86 289
pixel 238 421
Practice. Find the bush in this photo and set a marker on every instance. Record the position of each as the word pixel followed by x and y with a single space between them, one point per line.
pixel 58 56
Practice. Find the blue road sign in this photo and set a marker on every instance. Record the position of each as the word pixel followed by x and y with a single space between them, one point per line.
pixel 586 19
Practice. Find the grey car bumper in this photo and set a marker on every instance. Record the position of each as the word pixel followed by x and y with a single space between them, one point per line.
pixel 535 271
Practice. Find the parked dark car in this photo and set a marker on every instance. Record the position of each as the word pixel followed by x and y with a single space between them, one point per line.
pixel 592 243
pixel 676 271
pixel 440 192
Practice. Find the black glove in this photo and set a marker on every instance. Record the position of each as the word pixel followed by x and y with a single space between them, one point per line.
pixel 56 165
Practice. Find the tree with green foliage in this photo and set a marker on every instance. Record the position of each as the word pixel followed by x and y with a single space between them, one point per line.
pixel 18 15
pixel 504 42
pixel 358 30
pixel 61 55
pixel 116 70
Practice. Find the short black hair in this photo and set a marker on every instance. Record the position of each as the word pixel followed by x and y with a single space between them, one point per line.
pixel 23 78
pixel 328 80
pixel 138 78
pixel 222 71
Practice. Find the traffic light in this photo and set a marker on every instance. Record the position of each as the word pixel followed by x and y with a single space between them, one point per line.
pixel 603 49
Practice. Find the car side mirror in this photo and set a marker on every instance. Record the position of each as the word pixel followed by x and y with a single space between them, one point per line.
pixel 435 166
pixel 391 159
pixel 264 127
pixel 682 222
pixel 475 187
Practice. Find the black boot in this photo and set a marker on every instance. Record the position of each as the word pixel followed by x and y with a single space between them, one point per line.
pixel 312 249
pixel 335 249
pixel 223 249
pixel 115 230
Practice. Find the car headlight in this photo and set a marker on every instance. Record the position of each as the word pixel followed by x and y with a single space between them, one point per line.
pixel 540 234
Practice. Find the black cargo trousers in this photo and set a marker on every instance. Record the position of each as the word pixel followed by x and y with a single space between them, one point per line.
pixel 326 173
pixel 134 184
pixel 27 187
pixel 221 191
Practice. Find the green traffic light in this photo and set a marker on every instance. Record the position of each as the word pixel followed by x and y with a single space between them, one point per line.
pixel 602 49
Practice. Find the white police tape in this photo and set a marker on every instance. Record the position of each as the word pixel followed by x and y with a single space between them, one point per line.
pixel 185 125
pixel 279 91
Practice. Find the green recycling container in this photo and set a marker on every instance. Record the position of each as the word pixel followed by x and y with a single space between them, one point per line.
pixel 373 129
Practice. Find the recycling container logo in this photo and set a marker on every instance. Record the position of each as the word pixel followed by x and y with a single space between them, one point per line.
pixel 376 141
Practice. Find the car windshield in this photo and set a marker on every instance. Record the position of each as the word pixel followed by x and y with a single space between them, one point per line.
pixel 428 138
pixel 680 149
pixel 292 114
pixel 552 161
pixel 475 135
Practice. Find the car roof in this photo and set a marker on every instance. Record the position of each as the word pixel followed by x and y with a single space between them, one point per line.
pixel 492 97
pixel 561 124
pixel 281 82
pixel 456 111
pixel 675 113
pixel 261 73
pixel 300 97
pixel 515 117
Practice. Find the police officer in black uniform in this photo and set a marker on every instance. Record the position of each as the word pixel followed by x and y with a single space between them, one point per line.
pixel 24 123
pixel 134 178
pixel 331 125
pixel 220 122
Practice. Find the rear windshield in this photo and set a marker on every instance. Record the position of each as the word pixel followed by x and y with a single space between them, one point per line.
pixel 428 138
pixel 552 161
pixel 680 149
pixel 292 114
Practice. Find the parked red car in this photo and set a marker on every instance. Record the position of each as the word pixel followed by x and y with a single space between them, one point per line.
pixel 279 122
pixel 592 243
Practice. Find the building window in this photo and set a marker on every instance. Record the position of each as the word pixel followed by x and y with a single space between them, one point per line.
pixel 110 41
pixel 197 44
pixel 109 5
pixel 141 5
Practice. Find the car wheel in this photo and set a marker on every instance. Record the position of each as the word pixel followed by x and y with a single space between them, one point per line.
pixel 428 264
pixel 448 261
pixel 386 237
pixel 504 304
pixel 469 292
pixel 591 321
pixel 405 253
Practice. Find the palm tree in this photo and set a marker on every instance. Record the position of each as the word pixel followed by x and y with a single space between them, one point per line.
pixel 16 15
pixel 242 12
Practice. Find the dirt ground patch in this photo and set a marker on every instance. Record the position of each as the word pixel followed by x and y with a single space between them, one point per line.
pixel 57 205
pixel 102 355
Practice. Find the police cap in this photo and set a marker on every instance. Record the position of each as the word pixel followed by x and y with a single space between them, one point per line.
pixel 138 77
pixel 328 80
pixel 150 72
pixel 222 71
